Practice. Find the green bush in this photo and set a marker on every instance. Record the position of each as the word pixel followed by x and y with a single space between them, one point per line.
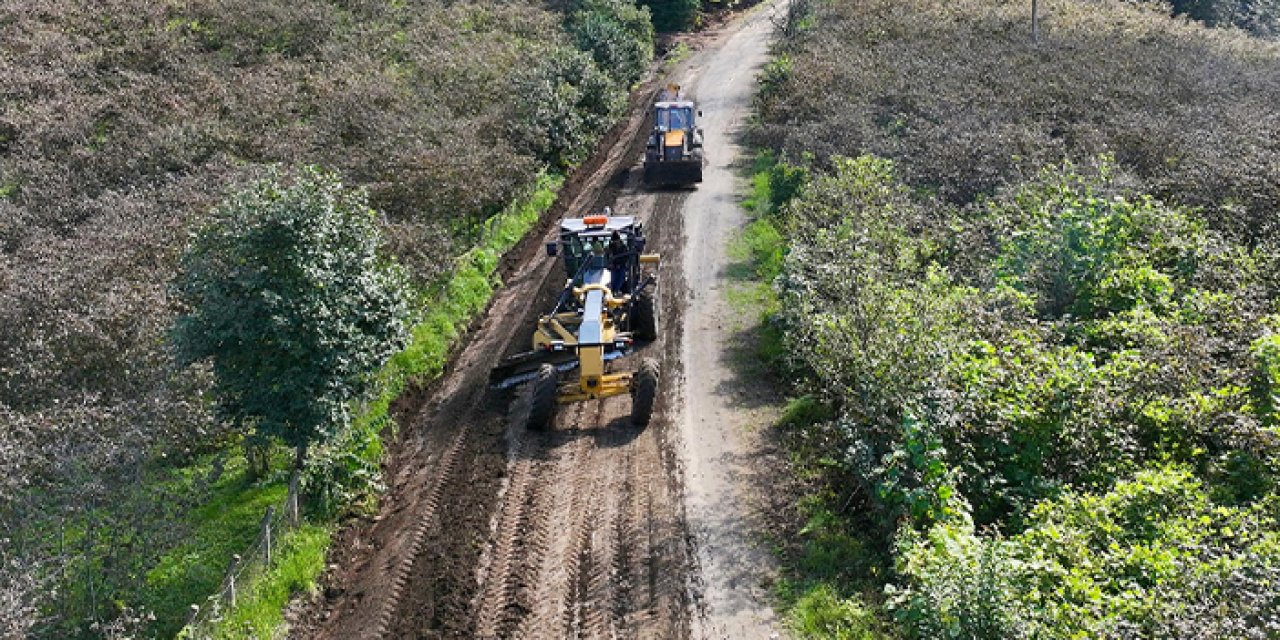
pixel 1259 17
pixel 961 585
pixel 617 34
pixel 1152 558
pixel 673 15
pixel 982 363
pixel 563 103
pixel 820 613
pixel 287 296
pixel 1092 254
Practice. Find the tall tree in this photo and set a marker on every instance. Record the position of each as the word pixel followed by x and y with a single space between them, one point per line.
pixel 288 299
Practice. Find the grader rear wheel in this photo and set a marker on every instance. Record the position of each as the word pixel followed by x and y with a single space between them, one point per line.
pixel 645 392
pixel 542 401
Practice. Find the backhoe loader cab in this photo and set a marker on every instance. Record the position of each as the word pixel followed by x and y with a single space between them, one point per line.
pixel 673 154
pixel 607 305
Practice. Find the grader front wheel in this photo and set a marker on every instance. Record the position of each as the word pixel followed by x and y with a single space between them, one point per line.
pixel 644 318
pixel 645 392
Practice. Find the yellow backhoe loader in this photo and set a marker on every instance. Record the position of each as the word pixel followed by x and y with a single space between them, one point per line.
pixel 673 154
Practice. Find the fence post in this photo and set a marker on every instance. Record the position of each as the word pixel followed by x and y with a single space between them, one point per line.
pixel 231 580
pixel 266 534
pixel 291 501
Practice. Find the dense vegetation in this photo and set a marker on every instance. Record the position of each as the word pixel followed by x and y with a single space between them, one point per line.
pixel 122 124
pixel 1029 291
pixel 673 15
pixel 958 97
pixel 285 295
pixel 1259 17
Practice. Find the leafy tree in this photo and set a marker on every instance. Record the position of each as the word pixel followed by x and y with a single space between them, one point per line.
pixel 1259 17
pixel 617 34
pixel 673 15
pixel 564 102
pixel 288 299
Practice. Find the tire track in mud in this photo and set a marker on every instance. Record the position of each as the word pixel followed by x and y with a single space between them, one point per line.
pixel 506 545
pixel 550 553
pixel 427 520
pixel 556 574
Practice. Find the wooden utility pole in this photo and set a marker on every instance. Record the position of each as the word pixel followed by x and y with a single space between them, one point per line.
pixel 1035 21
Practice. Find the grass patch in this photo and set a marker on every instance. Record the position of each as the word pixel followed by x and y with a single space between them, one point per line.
pixel 222 526
pixel 676 55
pixel 821 613
pixel 833 575
pixel 260 608
pixel 757 254
pixel 760 202
pixel 760 247
pixel 805 411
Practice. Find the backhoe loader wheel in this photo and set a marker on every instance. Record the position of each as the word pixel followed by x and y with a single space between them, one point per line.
pixel 644 319
pixel 645 392
pixel 542 401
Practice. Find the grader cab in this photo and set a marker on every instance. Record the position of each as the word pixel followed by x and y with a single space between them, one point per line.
pixel 606 306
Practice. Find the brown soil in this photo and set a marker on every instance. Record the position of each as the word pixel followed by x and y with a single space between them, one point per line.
pixel 488 530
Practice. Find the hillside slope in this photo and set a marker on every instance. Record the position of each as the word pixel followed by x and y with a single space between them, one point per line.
pixel 1026 293
pixel 121 124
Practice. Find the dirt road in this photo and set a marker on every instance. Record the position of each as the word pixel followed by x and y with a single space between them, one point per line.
pixel 491 531
pixel 718 413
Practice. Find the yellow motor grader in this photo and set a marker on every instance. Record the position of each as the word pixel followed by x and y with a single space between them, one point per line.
pixel 673 153
pixel 607 305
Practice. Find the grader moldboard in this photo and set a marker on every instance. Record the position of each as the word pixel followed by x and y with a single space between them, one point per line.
pixel 606 306
pixel 673 154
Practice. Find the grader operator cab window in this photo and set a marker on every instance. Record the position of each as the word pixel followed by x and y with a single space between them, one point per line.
pixel 589 252
pixel 578 253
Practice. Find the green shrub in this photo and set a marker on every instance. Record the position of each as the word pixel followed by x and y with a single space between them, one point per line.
pixel 820 613
pixel 1153 558
pixel 1091 254
pixel 1260 17
pixel 673 15
pixel 563 103
pixel 617 34
pixel 286 294
pixel 962 585
pixel 785 182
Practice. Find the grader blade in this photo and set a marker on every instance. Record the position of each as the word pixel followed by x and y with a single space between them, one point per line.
pixel 522 367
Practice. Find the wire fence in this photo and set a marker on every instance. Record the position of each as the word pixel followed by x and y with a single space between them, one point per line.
pixel 245 566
